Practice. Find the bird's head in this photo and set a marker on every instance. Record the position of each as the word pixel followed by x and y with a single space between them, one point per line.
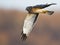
pixel 29 8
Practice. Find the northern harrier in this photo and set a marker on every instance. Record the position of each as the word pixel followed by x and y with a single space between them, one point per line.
pixel 33 12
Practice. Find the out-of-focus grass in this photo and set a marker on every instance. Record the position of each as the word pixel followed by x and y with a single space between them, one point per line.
pixel 45 32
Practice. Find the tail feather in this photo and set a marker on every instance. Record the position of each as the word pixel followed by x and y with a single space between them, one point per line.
pixel 50 12
pixel 24 37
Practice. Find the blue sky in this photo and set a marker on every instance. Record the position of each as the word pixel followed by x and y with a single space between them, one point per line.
pixel 22 4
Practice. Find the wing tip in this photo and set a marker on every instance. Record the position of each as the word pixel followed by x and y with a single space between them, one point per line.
pixel 50 12
pixel 53 3
pixel 24 37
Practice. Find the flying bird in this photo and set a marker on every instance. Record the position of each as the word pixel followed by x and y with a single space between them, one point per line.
pixel 33 12
pixel 40 9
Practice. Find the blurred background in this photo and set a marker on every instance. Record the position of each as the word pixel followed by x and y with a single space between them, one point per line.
pixel 12 15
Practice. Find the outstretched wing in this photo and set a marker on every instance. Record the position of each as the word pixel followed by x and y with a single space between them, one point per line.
pixel 41 6
pixel 28 25
pixel 32 9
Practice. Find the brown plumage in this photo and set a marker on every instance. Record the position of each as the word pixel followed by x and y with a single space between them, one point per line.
pixel 40 9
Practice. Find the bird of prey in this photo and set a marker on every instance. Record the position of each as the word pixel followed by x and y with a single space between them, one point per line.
pixel 33 12
pixel 40 8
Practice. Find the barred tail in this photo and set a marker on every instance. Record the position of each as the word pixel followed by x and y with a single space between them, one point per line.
pixel 23 37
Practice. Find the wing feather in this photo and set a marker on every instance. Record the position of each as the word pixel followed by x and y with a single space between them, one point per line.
pixel 29 23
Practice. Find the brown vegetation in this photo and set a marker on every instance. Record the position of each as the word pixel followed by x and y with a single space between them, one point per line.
pixel 45 32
